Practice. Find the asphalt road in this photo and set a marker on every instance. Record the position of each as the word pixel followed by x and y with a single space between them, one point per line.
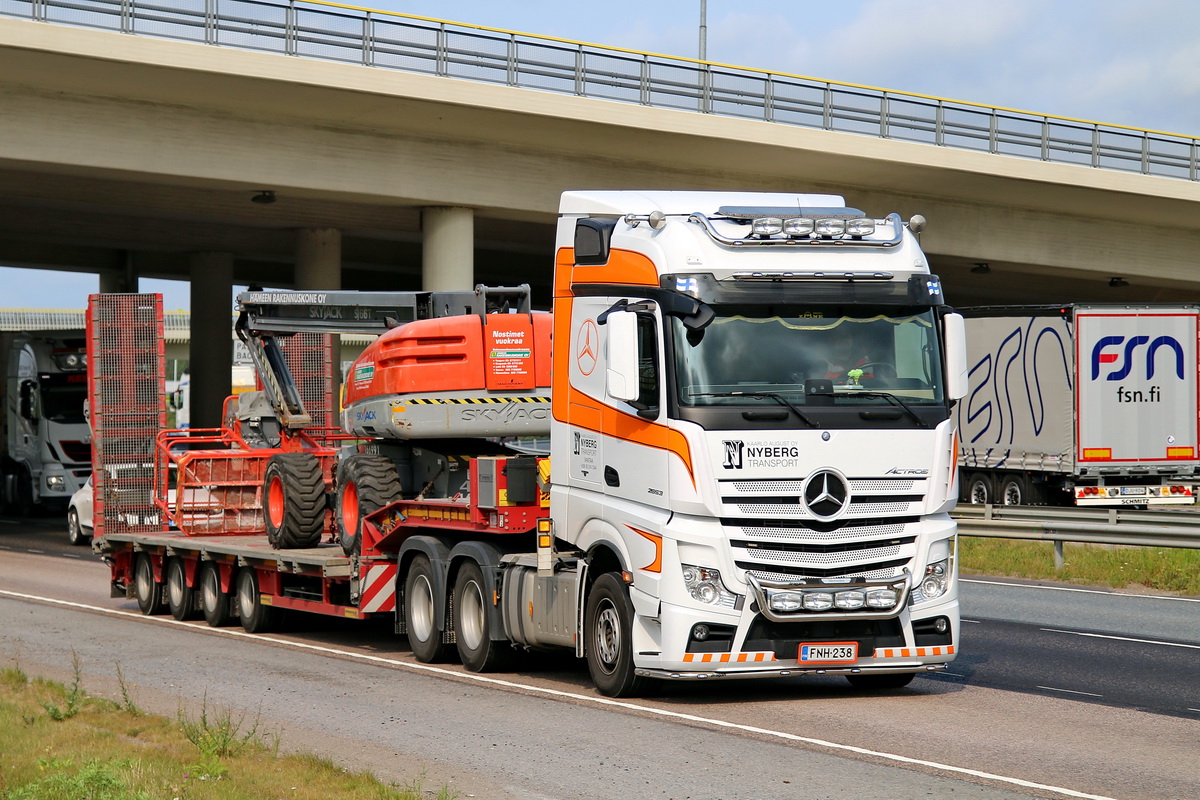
pixel 1029 711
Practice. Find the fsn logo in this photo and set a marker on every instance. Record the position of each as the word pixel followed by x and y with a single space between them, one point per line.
pixel 1108 350
pixel 733 453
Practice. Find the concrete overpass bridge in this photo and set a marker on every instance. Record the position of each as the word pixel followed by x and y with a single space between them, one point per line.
pixel 402 152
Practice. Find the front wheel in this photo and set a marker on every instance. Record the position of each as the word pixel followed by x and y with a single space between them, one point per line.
pixel 75 533
pixel 420 612
pixel 608 626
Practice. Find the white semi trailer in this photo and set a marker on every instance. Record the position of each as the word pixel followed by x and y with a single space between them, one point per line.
pixel 1090 405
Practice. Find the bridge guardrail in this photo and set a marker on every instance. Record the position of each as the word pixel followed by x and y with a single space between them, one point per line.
pixel 383 39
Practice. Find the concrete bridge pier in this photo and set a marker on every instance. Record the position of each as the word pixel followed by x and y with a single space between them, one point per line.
pixel 448 252
pixel 210 351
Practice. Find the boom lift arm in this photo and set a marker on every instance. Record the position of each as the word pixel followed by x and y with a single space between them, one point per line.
pixel 266 316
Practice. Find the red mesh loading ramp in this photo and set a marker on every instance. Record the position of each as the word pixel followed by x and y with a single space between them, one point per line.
pixel 127 407
pixel 309 358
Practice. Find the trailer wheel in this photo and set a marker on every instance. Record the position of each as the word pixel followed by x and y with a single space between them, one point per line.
pixel 181 598
pixel 608 626
pixel 979 489
pixel 293 501
pixel 214 602
pixel 256 617
pixel 896 680
pixel 366 483
pixel 420 612
pixel 473 615
pixel 149 593
pixel 1015 491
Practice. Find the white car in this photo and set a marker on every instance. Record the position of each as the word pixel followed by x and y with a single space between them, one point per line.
pixel 79 515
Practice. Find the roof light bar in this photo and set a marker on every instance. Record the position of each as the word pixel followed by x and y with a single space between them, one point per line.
pixel 775 230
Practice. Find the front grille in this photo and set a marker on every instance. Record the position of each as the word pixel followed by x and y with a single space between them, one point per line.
pixel 76 452
pixel 775 538
pixel 782 573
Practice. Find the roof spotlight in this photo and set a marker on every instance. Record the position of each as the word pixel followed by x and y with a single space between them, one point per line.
pixel 264 196
pixel 1117 282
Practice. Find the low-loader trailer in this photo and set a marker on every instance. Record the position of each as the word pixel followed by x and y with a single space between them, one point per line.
pixel 696 483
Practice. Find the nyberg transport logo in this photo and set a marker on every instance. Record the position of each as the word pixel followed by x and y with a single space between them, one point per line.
pixel 739 455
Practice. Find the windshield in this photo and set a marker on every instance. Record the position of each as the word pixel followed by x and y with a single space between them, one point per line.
pixel 63 396
pixel 849 354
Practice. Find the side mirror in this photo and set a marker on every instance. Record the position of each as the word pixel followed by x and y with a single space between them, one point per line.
pixel 621 379
pixel 955 337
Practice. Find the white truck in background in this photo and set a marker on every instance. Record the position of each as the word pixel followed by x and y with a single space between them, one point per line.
pixel 47 443
pixel 1091 405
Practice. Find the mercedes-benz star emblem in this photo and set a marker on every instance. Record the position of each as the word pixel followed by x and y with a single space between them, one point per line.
pixel 825 494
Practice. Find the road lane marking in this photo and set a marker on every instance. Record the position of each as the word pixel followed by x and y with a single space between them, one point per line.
pixel 1069 691
pixel 558 693
pixel 1123 638
pixel 1085 591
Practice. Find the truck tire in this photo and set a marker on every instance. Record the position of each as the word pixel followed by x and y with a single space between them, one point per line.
pixel 473 616
pixel 366 483
pixel 213 602
pixel 897 680
pixel 608 626
pixel 181 598
pixel 420 612
pixel 148 592
pixel 979 489
pixel 293 501
pixel 1015 491
pixel 256 617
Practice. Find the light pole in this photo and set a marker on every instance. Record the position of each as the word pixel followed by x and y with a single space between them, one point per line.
pixel 703 30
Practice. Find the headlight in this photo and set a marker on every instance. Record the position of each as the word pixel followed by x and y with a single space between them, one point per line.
pixel 936 581
pixel 705 586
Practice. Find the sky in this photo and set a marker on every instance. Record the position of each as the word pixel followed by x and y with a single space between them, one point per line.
pixel 1111 61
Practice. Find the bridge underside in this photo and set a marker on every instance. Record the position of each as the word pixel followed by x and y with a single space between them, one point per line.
pixel 125 155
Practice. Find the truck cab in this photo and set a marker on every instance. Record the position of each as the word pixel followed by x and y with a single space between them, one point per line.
pixel 763 503
pixel 47 442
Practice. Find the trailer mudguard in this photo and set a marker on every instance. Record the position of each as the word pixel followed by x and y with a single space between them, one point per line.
pixel 487 556
pixel 437 550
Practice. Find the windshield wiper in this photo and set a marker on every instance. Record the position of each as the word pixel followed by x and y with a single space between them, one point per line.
pixel 891 398
pixel 778 398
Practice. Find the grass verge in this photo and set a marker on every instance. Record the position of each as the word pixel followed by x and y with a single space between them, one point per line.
pixel 111 750
pixel 1160 569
